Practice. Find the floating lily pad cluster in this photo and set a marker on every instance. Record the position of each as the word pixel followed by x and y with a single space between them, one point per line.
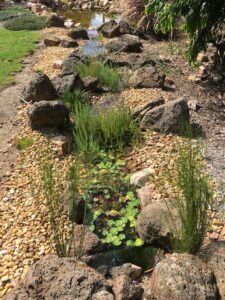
pixel 113 204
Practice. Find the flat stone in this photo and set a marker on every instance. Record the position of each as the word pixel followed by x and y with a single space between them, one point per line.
pixel 140 178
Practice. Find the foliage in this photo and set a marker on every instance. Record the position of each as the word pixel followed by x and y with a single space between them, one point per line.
pixel 72 98
pixel 203 21
pixel 193 200
pixel 13 47
pixel 108 77
pixel 28 22
pixel 113 204
pixel 12 12
pixel 24 143
pixel 52 194
pixel 110 129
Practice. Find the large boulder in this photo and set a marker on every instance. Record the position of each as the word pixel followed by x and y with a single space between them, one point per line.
pixel 51 41
pixel 183 276
pixel 147 77
pixel 54 21
pixel 156 222
pixel 133 60
pixel 214 255
pixel 78 34
pixel 70 62
pixel 67 83
pixel 171 117
pixel 112 29
pixel 48 114
pixel 125 43
pixel 131 9
pixel 126 289
pixel 39 88
pixel 55 278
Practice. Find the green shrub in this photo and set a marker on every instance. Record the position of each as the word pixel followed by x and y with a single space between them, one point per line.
pixel 24 143
pixel 193 200
pixel 12 12
pixel 29 22
pixel 108 77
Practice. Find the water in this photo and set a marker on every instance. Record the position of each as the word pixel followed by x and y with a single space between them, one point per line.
pixel 89 20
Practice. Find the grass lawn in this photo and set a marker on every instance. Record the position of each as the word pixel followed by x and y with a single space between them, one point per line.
pixel 14 45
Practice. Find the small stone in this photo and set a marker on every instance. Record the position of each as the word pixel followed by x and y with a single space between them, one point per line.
pixel 58 64
pixel 139 179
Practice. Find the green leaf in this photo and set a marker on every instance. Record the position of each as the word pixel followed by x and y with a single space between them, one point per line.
pixel 116 242
pixel 129 243
pixel 138 242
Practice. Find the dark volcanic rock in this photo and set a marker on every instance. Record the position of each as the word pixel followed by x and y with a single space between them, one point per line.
pixel 147 77
pixel 91 84
pixel 39 88
pixel 183 276
pixel 168 118
pixel 78 34
pixel 125 43
pixel 55 278
pixel 133 60
pixel 51 41
pixel 112 29
pixel 67 83
pixel 48 114
pixel 69 44
pixel 54 21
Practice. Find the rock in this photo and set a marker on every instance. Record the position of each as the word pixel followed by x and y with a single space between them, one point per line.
pixel 91 243
pixel 145 194
pixel 59 278
pixel 193 105
pixel 62 144
pixel 147 77
pixel 140 178
pixel 214 255
pixel 69 24
pixel 78 34
pixel 202 57
pixel 91 84
pixel 58 64
pixel 183 276
pixel 154 223
pixel 133 60
pixel 48 114
pixel 125 289
pixel 69 44
pixel 67 83
pixel 70 62
pixel 51 41
pixel 130 270
pixel 112 29
pixel 39 88
pixel 144 109
pixel 125 43
pixel 103 295
pixel 133 10
pixel 168 118
pixel 54 21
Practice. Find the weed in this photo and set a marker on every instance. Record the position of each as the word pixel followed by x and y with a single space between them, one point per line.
pixel 24 143
pixel 72 98
pixel 193 200
pixel 108 77
pixel 27 22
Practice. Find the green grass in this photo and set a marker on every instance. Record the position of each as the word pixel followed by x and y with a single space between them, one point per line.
pixel 24 143
pixel 28 22
pixel 108 77
pixel 12 12
pixel 105 130
pixel 193 200
pixel 13 47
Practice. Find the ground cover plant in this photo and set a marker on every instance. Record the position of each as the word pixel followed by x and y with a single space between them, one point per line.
pixel 108 76
pixel 12 12
pixel 27 22
pixel 24 143
pixel 13 47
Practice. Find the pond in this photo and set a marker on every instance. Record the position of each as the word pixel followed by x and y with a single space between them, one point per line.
pixel 89 20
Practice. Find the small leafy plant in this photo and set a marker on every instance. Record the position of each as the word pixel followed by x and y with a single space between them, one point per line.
pixel 27 22
pixel 24 143
pixel 108 76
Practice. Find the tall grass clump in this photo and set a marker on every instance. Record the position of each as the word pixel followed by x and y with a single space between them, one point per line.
pixel 52 194
pixel 105 130
pixel 108 76
pixel 27 22
pixel 193 199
